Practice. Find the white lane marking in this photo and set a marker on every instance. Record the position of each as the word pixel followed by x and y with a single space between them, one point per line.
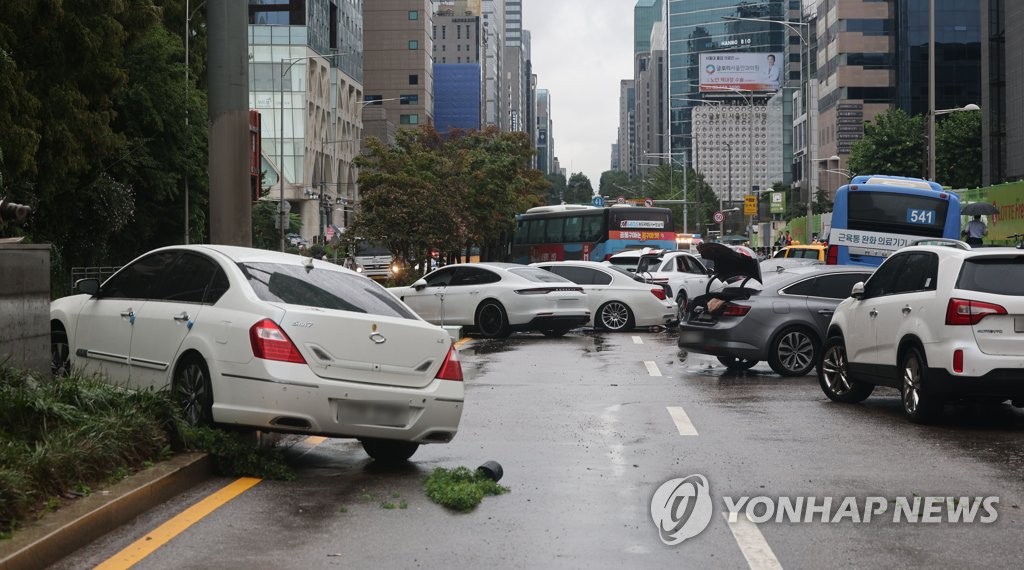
pixel 652 368
pixel 752 543
pixel 683 423
pixel 638 340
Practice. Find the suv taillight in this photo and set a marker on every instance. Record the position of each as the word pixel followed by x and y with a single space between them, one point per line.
pixel 832 257
pixel 452 367
pixel 967 312
pixel 270 342
pixel 659 292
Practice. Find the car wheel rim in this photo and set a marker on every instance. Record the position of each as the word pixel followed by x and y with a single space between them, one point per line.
pixel 833 368
pixel 192 393
pixel 911 385
pixel 614 316
pixel 681 308
pixel 796 351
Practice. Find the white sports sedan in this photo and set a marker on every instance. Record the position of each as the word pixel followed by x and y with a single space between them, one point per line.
pixel 619 300
pixel 270 341
pixel 498 298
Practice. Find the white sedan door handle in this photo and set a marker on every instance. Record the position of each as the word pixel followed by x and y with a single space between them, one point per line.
pixel 128 314
pixel 906 310
pixel 181 317
pixel 873 313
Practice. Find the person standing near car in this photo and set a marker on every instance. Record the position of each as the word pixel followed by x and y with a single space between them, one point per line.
pixel 976 229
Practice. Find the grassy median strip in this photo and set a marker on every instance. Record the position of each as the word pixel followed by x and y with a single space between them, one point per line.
pixel 460 489
pixel 61 438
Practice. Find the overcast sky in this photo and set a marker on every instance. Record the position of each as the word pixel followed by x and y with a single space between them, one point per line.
pixel 581 50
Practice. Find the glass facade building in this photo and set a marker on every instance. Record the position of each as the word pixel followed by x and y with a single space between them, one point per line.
pixel 645 13
pixel 957 54
pixel 700 26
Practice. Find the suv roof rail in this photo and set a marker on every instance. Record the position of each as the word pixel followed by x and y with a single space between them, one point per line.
pixel 943 241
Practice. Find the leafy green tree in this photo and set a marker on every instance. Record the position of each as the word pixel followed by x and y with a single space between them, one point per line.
pixel 556 190
pixel 613 180
pixel 578 190
pixel 92 103
pixel 429 192
pixel 893 143
pixel 958 150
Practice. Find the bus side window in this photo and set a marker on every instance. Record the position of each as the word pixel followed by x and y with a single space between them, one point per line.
pixel 553 231
pixel 535 233
pixel 593 228
pixel 573 229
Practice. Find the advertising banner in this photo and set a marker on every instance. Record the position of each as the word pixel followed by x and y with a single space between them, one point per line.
pixel 723 71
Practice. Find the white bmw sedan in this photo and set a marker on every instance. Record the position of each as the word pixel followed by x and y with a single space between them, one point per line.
pixel 498 298
pixel 269 341
pixel 619 300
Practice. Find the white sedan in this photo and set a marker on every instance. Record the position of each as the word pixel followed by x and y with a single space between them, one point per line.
pixel 269 341
pixel 498 298
pixel 619 300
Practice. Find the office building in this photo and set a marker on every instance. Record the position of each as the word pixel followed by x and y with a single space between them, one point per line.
pixel 398 60
pixel 306 80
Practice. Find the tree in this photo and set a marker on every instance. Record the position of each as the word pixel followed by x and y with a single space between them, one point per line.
pixel 578 190
pixel 958 150
pixel 893 144
pixel 612 182
pixel 556 190
pixel 429 192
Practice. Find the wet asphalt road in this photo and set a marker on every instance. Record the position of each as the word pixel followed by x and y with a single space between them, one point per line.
pixel 582 427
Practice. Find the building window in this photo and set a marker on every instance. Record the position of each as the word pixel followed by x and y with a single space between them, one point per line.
pixel 444 32
pixel 444 47
pixel 458 32
pixel 414 15
pixel 443 60
pixel 409 99
pixel 409 119
pixel 458 47
pixel 414 44
pixel 414 79
pixel 372 99
pixel 460 61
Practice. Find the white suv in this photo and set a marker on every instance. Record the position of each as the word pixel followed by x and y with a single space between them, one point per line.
pixel 934 322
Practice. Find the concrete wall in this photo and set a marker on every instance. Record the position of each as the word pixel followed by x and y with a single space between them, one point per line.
pixel 25 306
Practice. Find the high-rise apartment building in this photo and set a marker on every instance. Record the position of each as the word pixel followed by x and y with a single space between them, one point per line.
pixel 458 73
pixel 649 146
pixel 493 14
pixel 627 126
pixel 305 79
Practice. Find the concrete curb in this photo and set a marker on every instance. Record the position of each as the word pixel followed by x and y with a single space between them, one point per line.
pixel 62 532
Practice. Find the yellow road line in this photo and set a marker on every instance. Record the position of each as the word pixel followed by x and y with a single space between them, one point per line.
pixel 160 536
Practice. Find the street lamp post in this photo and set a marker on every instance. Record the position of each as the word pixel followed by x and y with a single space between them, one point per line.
pixel 188 144
pixel 803 81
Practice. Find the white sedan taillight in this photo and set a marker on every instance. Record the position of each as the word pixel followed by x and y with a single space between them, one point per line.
pixel 452 367
pixel 270 342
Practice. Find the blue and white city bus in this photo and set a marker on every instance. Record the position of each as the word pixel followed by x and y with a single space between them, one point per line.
pixel 875 215
pixel 577 232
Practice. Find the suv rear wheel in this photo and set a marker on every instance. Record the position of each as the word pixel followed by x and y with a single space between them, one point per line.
pixel 919 403
pixel 833 375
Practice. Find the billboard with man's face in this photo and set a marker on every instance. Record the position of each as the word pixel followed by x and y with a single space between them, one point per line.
pixel 724 71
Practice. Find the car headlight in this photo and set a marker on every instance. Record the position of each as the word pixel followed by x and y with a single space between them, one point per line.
pixel 396 268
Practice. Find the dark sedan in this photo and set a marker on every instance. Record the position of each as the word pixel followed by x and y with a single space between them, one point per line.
pixel 782 321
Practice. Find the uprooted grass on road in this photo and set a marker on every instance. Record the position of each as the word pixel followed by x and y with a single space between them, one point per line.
pixel 61 438
pixel 460 489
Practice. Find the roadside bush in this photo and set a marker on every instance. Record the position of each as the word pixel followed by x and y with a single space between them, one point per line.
pixel 60 437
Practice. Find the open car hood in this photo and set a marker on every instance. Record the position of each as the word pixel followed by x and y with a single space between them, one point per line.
pixel 732 262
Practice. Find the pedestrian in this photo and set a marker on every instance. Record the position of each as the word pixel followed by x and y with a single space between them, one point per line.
pixel 975 230
pixel 789 240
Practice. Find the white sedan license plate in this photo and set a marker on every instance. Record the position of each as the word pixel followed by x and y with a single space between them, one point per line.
pixel 373 413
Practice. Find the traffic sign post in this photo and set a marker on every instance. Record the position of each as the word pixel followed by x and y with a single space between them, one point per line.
pixel 597 201
pixel 648 202
pixel 719 217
